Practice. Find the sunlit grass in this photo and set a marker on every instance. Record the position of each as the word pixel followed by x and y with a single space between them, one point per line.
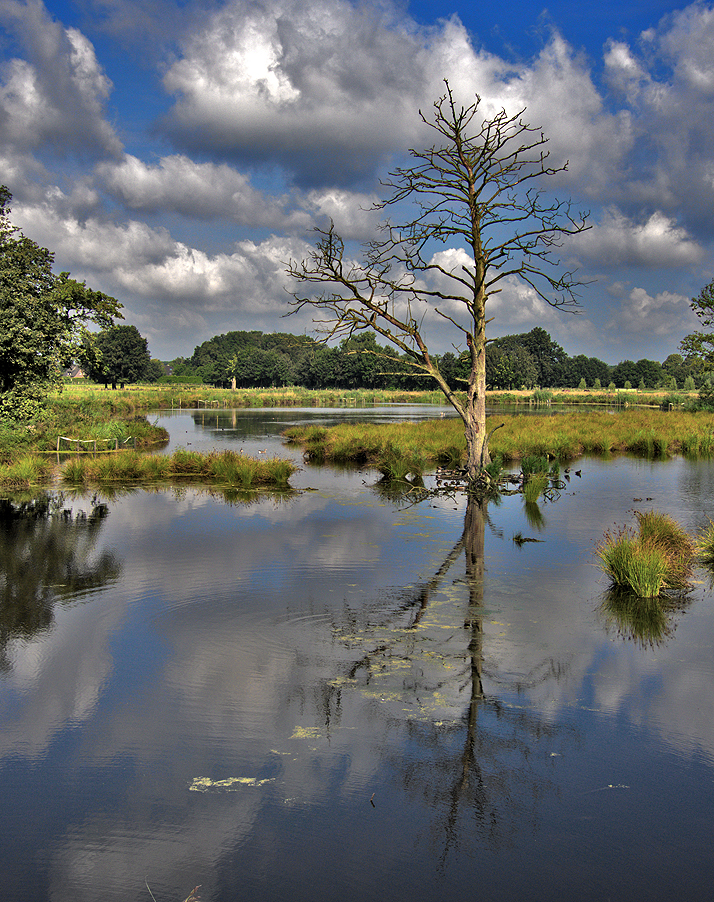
pixel 705 544
pixel 26 471
pixel 226 468
pixel 563 437
pixel 655 558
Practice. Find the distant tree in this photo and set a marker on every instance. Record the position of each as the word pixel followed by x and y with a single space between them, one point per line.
pixel 689 384
pixel 700 345
pixel 475 189
pixel 123 356
pixel 258 368
pixel 155 370
pixel 510 367
pixel 597 385
pixel 43 319
pixel 588 368
pixel 650 371
pixel 550 358
pixel 456 369
pixel 625 371
pixel 582 385
pixel 676 367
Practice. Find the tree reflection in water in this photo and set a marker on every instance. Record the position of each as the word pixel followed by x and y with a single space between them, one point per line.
pixel 425 665
pixel 46 555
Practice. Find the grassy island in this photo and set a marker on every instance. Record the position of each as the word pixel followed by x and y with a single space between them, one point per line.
pixel 416 447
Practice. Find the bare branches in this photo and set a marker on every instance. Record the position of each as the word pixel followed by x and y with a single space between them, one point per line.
pixel 478 191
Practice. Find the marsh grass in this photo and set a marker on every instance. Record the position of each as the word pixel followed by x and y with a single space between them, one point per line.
pixel 705 545
pixel 534 487
pixel 560 438
pixel 225 468
pixel 25 472
pixel 395 449
pixel 654 559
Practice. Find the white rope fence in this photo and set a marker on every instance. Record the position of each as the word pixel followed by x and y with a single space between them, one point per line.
pixel 75 445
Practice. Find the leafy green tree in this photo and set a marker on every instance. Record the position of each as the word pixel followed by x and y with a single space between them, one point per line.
pixel 43 319
pixel 588 368
pixel 550 358
pixel 474 189
pixel 510 366
pixel 155 370
pixel 700 345
pixel 122 356
pixel 625 371
pixel 650 371
pixel 582 385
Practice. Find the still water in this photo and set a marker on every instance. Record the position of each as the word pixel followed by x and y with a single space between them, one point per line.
pixel 339 696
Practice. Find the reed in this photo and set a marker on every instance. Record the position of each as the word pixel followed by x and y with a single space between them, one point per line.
pixel 226 468
pixel 705 545
pixel 534 487
pixel 28 470
pixel 395 449
pixel 651 433
pixel 655 558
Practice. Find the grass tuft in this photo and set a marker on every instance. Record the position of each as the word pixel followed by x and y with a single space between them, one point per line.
pixel 655 558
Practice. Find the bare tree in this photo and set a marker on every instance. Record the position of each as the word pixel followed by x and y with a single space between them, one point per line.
pixel 478 190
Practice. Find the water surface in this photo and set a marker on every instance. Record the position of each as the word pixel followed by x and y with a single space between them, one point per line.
pixel 338 696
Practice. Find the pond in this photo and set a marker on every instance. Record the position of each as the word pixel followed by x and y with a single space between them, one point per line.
pixel 337 695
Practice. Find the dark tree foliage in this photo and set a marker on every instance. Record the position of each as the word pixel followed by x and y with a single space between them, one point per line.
pixel 43 319
pixel 122 356
pixel 587 368
pixel 510 366
pixel 700 345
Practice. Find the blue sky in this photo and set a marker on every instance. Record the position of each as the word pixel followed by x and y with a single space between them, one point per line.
pixel 176 154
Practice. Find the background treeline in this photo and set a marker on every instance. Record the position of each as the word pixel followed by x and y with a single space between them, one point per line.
pixel 529 360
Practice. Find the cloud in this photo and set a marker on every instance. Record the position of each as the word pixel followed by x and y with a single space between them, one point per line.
pixel 197 191
pixel 664 314
pixel 658 242
pixel 55 98
pixel 326 90
pixel 168 286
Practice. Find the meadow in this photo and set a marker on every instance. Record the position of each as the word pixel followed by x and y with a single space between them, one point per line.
pixel 563 437
pixel 89 419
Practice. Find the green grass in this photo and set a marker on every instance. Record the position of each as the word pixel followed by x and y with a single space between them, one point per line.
pixel 25 472
pixel 564 437
pixel 225 468
pixel 655 558
pixel 705 545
